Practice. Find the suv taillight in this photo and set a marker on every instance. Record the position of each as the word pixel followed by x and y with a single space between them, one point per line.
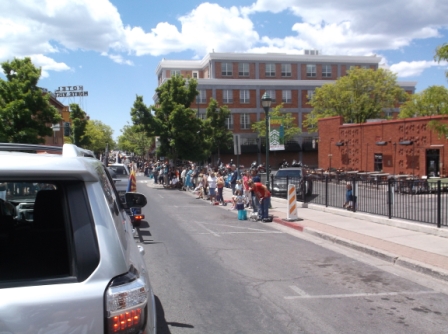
pixel 126 299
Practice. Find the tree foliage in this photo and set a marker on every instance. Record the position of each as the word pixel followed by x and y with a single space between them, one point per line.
pixel 360 95
pixel 134 139
pixel 179 130
pixel 100 136
pixel 442 54
pixel 218 136
pixel 78 127
pixel 432 101
pixel 26 114
pixel 288 124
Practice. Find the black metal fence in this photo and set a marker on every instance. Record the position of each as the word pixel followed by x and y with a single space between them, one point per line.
pixel 414 200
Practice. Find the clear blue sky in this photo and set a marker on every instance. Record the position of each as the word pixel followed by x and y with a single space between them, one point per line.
pixel 112 47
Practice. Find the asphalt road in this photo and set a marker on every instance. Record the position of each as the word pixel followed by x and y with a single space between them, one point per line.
pixel 214 274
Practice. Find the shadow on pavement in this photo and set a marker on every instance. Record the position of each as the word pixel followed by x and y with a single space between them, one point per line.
pixel 162 324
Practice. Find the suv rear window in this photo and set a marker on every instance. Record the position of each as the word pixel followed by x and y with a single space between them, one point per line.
pixel 119 170
pixel 289 173
pixel 36 231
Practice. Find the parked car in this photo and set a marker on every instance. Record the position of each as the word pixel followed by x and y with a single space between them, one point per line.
pixel 290 175
pixel 69 263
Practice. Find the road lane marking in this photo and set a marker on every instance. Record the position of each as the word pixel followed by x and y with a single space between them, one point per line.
pixel 210 231
pixel 357 295
pixel 299 291
pixel 220 233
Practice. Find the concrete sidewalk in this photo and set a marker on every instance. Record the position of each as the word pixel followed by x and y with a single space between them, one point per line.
pixel 420 247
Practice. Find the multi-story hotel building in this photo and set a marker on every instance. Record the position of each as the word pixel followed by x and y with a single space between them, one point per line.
pixel 239 80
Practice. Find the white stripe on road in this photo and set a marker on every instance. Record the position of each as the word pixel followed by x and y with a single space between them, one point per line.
pixel 299 291
pixel 210 231
pixel 357 295
pixel 220 233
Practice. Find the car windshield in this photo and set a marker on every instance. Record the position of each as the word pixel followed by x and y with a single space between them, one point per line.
pixel 289 173
pixel 119 170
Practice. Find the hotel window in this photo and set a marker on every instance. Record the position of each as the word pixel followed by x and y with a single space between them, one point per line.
pixel 244 121
pixel 270 70
pixel 309 95
pixel 202 116
pixel 175 72
pixel 310 70
pixel 227 96
pixel 195 74
pixel 243 69
pixel 244 96
pixel 229 122
pixel 286 70
pixel 201 97
pixel 326 71
pixel 286 96
pixel 271 94
pixel 226 69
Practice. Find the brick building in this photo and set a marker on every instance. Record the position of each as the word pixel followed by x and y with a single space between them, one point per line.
pixel 401 146
pixel 57 139
pixel 239 80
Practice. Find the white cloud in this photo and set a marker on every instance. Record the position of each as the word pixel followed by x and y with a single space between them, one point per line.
pixel 414 68
pixel 353 27
pixel 206 28
pixel 118 59
pixel 48 64
pixel 357 27
pixel 50 26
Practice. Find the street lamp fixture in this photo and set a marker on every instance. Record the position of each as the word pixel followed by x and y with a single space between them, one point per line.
pixel 339 143
pixel 381 143
pixel 266 104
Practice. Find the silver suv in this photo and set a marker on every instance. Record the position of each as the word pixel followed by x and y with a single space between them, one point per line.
pixel 68 259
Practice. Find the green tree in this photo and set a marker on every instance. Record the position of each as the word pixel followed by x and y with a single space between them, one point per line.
pixel 360 95
pixel 442 54
pixel 218 136
pixel 100 136
pixel 288 124
pixel 432 101
pixel 26 114
pixel 134 139
pixel 180 132
pixel 78 127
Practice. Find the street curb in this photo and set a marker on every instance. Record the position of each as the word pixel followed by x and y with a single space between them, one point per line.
pixel 383 255
pixel 291 224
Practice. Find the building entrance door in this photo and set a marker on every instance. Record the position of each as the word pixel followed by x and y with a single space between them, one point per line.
pixel 432 162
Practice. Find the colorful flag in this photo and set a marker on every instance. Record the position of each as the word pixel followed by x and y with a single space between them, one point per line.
pixel 132 184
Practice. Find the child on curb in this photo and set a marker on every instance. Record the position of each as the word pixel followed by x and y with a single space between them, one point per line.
pixel 239 203
pixel 237 200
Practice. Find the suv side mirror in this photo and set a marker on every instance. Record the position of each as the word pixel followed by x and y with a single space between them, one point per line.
pixel 135 200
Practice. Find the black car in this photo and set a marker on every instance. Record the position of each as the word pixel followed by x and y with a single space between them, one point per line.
pixel 290 175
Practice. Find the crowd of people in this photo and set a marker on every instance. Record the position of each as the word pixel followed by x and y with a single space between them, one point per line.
pixel 208 183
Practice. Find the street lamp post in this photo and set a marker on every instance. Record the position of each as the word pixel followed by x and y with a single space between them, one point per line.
pixel 266 104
